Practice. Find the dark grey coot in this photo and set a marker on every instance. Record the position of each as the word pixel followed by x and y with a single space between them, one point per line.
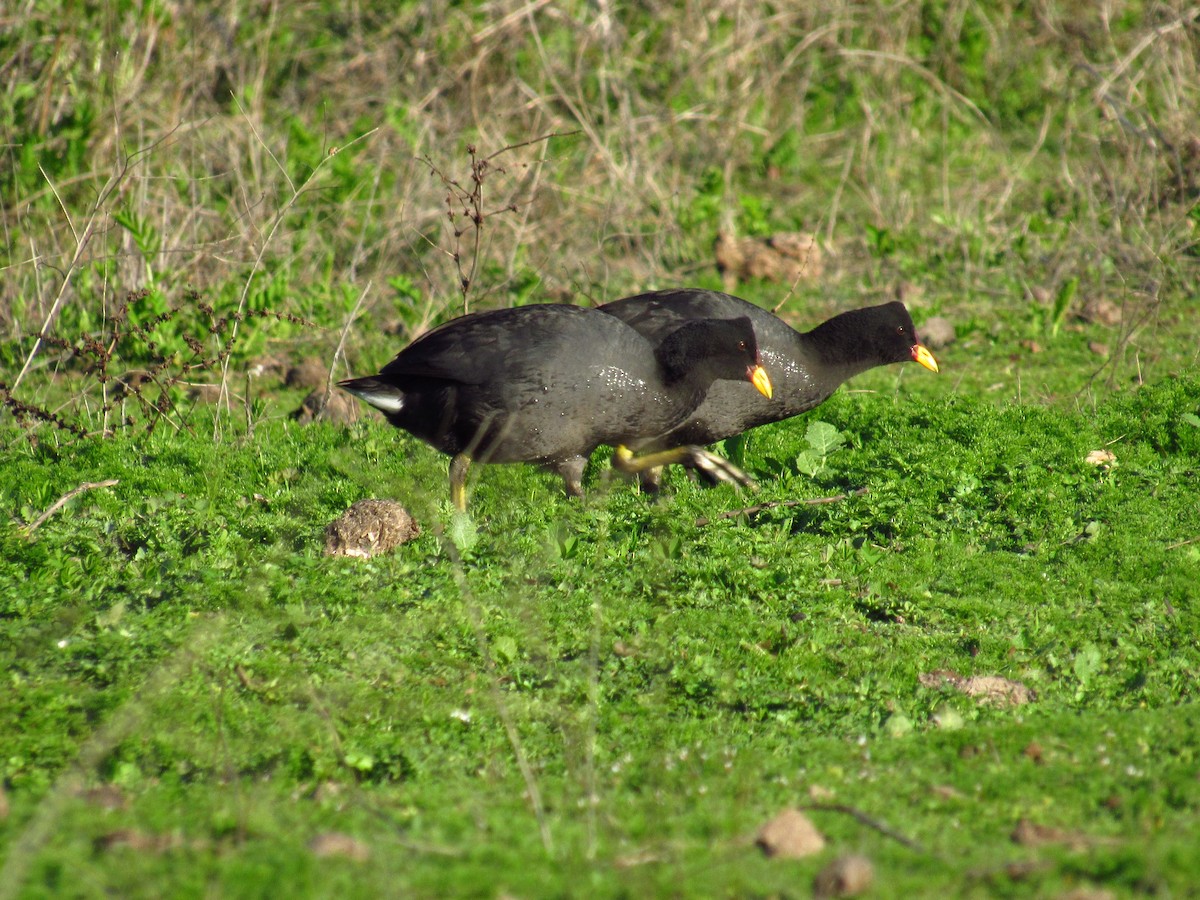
pixel 806 366
pixel 549 383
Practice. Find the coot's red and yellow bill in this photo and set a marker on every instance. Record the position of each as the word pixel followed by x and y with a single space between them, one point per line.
pixel 758 377
pixel 922 355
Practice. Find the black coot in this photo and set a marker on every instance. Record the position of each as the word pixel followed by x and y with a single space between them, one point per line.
pixel 806 367
pixel 548 383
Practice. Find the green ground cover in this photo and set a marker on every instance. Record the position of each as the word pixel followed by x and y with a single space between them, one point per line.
pixel 611 697
pixel 186 668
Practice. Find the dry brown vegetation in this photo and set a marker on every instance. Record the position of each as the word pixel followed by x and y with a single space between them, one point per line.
pixel 298 157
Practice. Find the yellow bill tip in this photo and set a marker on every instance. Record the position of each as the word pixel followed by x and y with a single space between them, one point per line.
pixel 760 380
pixel 921 354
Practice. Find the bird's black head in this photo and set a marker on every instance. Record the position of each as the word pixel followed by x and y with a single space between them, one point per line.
pixel 711 349
pixel 896 335
pixel 875 335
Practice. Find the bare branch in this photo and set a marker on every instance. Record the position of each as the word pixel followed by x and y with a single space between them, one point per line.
pixel 777 504
pixel 67 498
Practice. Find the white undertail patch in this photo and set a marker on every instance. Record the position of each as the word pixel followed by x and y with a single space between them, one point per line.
pixel 385 401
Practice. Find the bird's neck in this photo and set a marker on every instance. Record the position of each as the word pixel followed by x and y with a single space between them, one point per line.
pixel 837 343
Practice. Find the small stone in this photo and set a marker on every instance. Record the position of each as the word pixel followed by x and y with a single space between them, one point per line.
pixel 1028 833
pixel 1099 348
pixel 819 793
pixel 846 876
pixel 947 792
pixel 998 690
pixel 937 332
pixel 1033 834
pixel 1090 892
pixel 368 528
pixel 790 835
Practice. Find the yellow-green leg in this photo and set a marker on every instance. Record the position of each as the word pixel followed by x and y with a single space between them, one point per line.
pixel 458 481
pixel 649 465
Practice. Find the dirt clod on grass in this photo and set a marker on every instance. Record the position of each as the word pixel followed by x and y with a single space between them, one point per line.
pixel 1105 312
pixel 308 374
pixel 947 792
pixel 334 843
pixel 267 366
pixel 1088 893
pixel 106 796
pixel 368 528
pixel 340 408
pixel 1028 833
pixel 937 332
pixel 787 257
pixel 138 841
pixel 988 688
pixel 846 876
pixel 204 393
pixel 790 835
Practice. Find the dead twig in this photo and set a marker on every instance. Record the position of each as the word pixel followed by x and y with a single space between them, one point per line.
pixel 465 208
pixel 867 820
pixel 66 498
pixel 776 504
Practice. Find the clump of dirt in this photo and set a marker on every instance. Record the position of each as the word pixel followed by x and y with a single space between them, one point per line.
pixel 309 373
pixel 988 688
pixel 340 408
pixel 937 332
pixel 787 257
pixel 334 843
pixel 846 876
pixel 790 835
pixel 368 528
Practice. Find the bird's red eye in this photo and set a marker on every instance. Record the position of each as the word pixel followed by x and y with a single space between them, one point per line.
pixel 741 345
pixel 899 329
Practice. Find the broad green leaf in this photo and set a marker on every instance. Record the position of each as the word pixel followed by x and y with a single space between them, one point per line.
pixel 824 438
